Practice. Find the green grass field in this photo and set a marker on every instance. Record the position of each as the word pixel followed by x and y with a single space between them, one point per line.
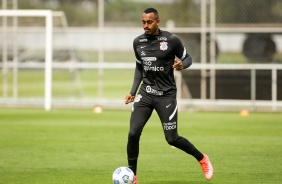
pixel 116 84
pixel 79 146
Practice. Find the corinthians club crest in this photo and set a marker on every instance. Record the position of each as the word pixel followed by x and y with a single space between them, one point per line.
pixel 163 46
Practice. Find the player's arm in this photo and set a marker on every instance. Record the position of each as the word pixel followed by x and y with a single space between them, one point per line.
pixel 138 74
pixel 136 82
pixel 180 51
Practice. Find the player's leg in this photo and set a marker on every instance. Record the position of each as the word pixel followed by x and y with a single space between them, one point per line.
pixel 141 112
pixel 168 111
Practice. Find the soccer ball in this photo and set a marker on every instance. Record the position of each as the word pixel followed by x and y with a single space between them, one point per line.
pixel 123 175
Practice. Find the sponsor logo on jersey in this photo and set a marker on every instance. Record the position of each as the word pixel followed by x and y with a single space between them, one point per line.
pixel 148 61
pixel 154 68
pixel 169 126
pixel 163 46
pixel 149 58
pixel 162 38
pixel 153 91
pixel 143 53
pixel 143 40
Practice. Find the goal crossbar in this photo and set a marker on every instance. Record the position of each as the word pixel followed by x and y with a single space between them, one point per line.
pixel 48 14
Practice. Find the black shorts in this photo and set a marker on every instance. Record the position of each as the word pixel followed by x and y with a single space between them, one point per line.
pixel 166 108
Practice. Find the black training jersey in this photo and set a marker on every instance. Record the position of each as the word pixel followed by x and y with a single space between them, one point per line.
pixel 156 54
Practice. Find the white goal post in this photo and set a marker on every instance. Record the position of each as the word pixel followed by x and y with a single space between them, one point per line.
pixel 48 14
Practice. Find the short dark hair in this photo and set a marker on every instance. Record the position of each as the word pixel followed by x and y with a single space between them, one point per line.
pixel 152 10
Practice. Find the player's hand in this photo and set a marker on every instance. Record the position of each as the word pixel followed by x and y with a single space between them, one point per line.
pixel 128 99
pixel 177 65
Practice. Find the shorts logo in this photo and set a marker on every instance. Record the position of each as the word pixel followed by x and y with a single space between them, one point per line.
pixel 138 98
pixel 167 106
pixel 163 46
pixel 169 126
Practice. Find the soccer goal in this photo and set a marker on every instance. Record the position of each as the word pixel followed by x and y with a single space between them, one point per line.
pixel 7 29
pixel 28 39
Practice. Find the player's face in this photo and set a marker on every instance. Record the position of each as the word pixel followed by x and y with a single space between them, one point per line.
pixel 150 23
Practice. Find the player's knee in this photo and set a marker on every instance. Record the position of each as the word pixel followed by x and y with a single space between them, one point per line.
pixel 133 137
pixel 172 140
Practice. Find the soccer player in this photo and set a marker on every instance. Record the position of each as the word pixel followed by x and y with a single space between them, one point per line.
pixel 155 53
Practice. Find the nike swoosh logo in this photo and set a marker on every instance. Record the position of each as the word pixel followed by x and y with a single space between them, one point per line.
pixel 168 105
pixel 143 47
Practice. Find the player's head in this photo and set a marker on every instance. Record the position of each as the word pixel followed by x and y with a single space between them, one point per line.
pixel 150 20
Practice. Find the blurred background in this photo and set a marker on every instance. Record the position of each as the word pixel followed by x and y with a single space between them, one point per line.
pixel 236 48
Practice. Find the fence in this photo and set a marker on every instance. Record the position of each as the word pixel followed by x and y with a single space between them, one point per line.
pixel 209 30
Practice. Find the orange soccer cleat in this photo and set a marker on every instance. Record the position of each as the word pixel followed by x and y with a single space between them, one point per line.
pixel 207 167
pixel 135 180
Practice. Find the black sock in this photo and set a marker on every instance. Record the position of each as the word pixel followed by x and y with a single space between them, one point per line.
pixel 197 154
pixel 132 164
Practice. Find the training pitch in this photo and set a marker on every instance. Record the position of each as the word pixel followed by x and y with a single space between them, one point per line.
pixel 81 147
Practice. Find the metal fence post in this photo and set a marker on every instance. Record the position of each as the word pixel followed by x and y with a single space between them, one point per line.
pixel 274 88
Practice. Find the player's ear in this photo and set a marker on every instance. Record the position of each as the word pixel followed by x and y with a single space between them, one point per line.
pixel 158 21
